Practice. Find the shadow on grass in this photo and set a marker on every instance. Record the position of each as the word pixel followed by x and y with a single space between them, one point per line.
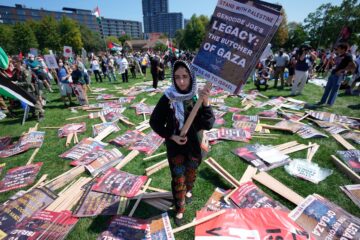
pixel 354 107
pixel 99 224
pixel 213 178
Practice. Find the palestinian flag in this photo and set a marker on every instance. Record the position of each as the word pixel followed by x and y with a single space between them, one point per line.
pixel 114 46
pixel 96 12
pixel 11 90
pixel 171 47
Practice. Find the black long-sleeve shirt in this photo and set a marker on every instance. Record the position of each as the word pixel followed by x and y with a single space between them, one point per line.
pixel 164 123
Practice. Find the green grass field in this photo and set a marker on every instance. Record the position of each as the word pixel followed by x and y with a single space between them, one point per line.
pixel 208 180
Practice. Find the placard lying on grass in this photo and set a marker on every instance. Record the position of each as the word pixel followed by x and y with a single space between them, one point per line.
pixel 129 138
pixel 325 220
pixel 86 145
pixel 26 142
pixel 119 183
pixel 23 207
pixel 256 223
pixel 71 128
pixel 20 177
pixel 45 225
pixel 353 192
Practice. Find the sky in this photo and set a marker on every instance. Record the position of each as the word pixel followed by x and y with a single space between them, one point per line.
pixel 296 10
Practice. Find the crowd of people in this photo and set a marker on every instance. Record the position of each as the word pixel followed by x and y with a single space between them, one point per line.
pixel 339 66
pixel 287 69
pixel 73 75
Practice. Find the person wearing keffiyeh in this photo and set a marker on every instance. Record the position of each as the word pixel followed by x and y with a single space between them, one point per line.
pixel 167 120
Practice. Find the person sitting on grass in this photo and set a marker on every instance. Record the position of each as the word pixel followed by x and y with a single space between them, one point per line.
pixel 262 78
pixel 168 118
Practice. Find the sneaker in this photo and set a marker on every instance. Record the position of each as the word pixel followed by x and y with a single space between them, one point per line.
pixel 179 221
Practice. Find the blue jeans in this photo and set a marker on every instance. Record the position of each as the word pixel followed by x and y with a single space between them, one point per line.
pixel 331 89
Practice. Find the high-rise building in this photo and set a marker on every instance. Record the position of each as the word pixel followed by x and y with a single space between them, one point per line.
pixel 116 27
pixel 158 19
pixel 106 27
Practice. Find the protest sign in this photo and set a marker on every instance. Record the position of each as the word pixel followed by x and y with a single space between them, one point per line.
pixel 238 34
pixel 129 138
pixel 216 201
pixel 123 227
pixel 50 61
pixel 85 146
pixel 325 220
pixel 259 223
pixel 44 225
pixel 27 141
pixel 96 203
pixel 119 183
pixel 248 195
pixel 98 128
pixel 234 134
pixel 71 128
pixel 149 144
pixel 108 159
pixel 23 207
pixel 67 51
pixel 160 228
pixel 20 177
pixel 351 158
pixel 4 142
pixel 34 52
pixel 79 93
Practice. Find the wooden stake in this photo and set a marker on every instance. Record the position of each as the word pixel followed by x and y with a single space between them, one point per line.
pixel 104 133
pixel 102 118
pixel 154 156
pixel 68 139
pixel 343 142
pixel 38 183
pixel 193 113
pixel 157 189
pixel 299 120
pixel 199 221
pixel 143 100
pixel 345 169
pixel 78 117
pixel 286 145
pixel 50 127
pixel 127 159
pixel 222 172
pixel 273 184
pixel 126 122
pixel 157 167
pixel 139 198
pixel 31 159
pixel 271 118
pixel 296 148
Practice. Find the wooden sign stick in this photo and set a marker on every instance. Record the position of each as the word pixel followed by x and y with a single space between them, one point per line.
pixel 222 172
pixel 127 159
pixel 273 184
pixel 199 221
pixel 193 113
pixel 157 189
pixel 139 198
pixel 154 156
pixel 303 118
pixel 78 117
pixel 50 127
pixel 153 170
pixel 103 119
pixel 343 142
pixel 68 139
pixel 31 159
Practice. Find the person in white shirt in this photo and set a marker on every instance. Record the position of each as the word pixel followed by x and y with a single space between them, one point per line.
pixel 95 67
pixel 123 68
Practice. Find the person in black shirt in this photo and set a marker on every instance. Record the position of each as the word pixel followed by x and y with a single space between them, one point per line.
pixel 184 153
pixel 155 69
pixel 343 62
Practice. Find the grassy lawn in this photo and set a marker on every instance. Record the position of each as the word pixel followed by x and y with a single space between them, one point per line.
pixel 208 180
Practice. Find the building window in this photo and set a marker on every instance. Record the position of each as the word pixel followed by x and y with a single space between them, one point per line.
pixel 34 14
pixel 20 12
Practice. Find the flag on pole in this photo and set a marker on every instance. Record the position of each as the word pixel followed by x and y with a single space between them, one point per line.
pixel 96 12
pixel 114 46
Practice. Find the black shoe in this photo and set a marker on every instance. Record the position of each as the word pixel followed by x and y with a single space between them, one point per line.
pixel 179 221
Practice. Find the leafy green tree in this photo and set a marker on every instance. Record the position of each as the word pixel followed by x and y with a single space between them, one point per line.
pixel 159 46
pixel 24 38
pixel 6 39
pixel 91 40
pixel 297 35
pixel 123 38
pixel 195 32
pixel 324 25
pixel 282 34
pixel 70 34
pixel 47 34
pixel 179 39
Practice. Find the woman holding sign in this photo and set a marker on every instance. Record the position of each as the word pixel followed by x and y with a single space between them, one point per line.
pixel 167 120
